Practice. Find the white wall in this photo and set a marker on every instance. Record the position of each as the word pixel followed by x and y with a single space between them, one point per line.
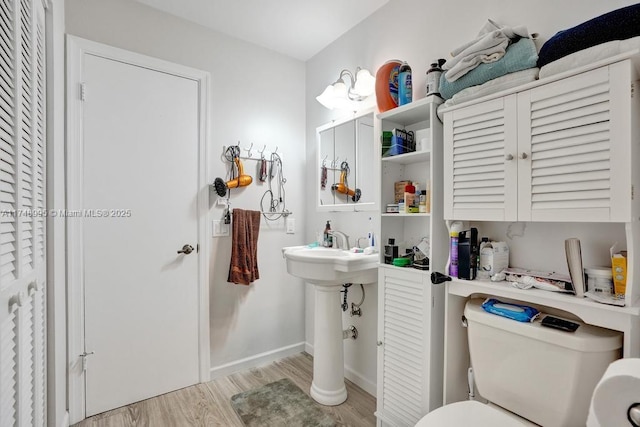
pixel 257 96
pixel 418 32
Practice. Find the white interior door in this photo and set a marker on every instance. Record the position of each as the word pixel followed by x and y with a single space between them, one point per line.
pixel 140 206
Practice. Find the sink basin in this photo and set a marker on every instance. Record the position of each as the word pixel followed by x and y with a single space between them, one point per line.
pixel 328 266
pixel 327 270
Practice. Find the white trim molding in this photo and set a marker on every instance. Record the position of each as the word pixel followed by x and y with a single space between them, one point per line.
pixel 77 48
pixel 257 360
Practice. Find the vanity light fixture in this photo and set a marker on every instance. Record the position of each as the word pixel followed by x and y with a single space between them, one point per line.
pixel 350 95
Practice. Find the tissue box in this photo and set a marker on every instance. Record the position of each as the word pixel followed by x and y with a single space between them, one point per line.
pixel 494 257
pixel 423 140
pixel 619 270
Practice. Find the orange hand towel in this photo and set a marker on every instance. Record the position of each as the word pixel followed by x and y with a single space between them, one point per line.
pixel 243 268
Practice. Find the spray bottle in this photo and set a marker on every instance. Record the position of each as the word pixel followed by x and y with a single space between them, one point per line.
pixel 454 231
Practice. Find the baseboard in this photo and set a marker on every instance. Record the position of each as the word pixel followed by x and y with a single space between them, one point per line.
pixel 361 381
pixel 352 375
pixel 255 361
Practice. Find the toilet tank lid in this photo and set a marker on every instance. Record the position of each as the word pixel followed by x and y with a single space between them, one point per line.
pixel 586 339
pixel 468 413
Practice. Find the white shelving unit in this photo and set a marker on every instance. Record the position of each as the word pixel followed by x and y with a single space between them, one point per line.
pixel 410 308
pixel 562 149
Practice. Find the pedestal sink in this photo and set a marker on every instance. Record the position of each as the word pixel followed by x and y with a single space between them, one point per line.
pixel 327 270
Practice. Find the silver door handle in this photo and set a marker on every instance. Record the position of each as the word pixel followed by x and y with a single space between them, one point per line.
pixel 186 249
pixel 508 157
pixel 523 156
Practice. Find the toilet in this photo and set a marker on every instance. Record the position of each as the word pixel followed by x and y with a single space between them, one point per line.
pixel 530 374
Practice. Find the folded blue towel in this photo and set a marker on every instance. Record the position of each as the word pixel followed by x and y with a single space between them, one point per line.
pixel 620 24
pixel 521 55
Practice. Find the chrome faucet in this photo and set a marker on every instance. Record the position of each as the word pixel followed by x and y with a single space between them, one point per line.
pixel 343 240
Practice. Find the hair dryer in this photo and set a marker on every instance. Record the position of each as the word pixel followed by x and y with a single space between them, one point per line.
pixel 241 181
pixel 342 186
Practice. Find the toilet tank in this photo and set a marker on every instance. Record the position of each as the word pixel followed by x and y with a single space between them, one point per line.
pixel 544 375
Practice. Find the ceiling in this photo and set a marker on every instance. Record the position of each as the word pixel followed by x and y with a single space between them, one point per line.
pixel 297 28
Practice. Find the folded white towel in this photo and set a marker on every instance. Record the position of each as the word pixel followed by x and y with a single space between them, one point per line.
pixel 490 45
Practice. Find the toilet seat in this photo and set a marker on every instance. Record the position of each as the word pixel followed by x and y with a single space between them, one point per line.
pixel 468 413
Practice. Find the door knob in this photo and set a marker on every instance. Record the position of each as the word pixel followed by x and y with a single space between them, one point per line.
pixel 508 157
pixel 523 156
pixel 186 249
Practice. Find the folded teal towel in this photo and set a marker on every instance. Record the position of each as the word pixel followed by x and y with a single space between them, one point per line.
pixel 519 56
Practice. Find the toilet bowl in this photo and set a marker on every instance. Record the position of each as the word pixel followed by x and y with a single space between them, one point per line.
pixel 532 375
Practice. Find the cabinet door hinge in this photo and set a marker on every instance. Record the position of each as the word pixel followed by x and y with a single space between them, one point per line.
pixel 83 91
pixel 632 190
pixel 633 88
pixel 84 359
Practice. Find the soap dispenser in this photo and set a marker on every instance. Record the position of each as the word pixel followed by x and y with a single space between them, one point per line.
pixel 328 238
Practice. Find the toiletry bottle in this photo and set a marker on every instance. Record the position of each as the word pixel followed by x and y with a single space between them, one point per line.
pixel 422 207
pixel 455 229
pixel 453 254
pixel 409 196
pixel 483 259
pixel 372 241
pixel 390 251
pixel 428 197
pixel 328 238
pixel 433 79
pixel 405 87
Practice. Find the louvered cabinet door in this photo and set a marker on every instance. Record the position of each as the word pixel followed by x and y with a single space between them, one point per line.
pixel 402 362
pixel 8 359
pixel 480 173
pixel 578 163
pixel 22 213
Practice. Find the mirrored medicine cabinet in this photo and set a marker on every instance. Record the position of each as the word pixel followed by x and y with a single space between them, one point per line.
pixel 346 164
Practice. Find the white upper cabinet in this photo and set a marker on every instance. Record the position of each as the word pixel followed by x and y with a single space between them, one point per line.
pixel 560 151
pixel 479 158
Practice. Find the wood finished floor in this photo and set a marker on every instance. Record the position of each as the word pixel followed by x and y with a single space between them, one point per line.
pixel 209 404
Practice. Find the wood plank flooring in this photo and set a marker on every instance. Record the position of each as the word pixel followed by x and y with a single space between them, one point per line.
pixel 209 404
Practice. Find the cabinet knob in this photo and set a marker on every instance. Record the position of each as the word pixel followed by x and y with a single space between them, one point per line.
pixel 379 343
pixel 523 156
pixel 508 157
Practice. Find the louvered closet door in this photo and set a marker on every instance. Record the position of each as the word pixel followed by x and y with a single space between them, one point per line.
pixel 403 349
pixel 480 174
pixel 22 213
pixel 566 128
